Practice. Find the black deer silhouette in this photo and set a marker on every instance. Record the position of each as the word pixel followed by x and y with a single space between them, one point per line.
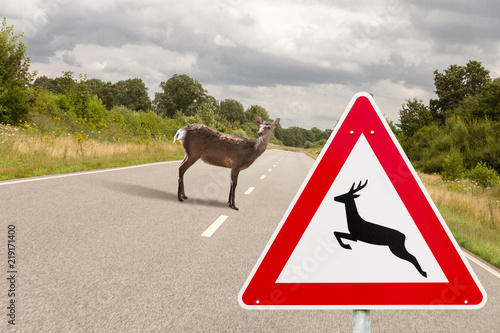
pixel 371 233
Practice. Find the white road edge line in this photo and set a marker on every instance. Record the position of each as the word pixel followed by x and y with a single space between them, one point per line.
pixel 250 189
pixel 213 228
pixel 481 264
pixel 74 174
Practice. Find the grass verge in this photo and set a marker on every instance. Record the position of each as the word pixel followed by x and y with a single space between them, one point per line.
pixel 25 154
pixel 471 213
pixel 476 238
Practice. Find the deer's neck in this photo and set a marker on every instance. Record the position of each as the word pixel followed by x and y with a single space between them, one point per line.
pixel 353 217
pixel 261 144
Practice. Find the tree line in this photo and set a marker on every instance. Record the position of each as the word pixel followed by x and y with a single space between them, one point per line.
pixel 456 134
pixel 182 95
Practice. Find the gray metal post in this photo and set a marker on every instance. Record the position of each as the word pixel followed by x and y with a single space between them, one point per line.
pixel 361 321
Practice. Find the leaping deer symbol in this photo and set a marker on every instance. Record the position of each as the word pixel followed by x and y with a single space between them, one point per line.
pixel 371 233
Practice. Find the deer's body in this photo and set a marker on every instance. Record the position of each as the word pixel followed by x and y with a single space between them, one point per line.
pixel 220 149
pixel 371 233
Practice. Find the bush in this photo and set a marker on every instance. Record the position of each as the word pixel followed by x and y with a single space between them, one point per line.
pixel 484 176
pixel 94 109
pixel 15 96
pixel 206 115
pixel 239 132
pixel 453 166
pixel 308 144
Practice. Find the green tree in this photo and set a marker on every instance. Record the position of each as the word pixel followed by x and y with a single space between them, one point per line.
pixel 15 96
pixel 232 110
pixel 67 85
pixel 489 101
pixel 485 105
pixel 206 115
pixel 46 83
pixel 313 134
pixel 453 166
pixel 133 94
pixel 293 136
pixel 257 110
pixel 108 94
pixel 455 84
pixel 78 97
pixel 180 93
pixel 413 116
pixel 94 85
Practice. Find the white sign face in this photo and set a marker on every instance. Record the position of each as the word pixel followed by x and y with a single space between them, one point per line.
pixel 318 257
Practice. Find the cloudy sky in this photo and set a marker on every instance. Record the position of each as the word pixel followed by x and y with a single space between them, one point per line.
pixel 301 60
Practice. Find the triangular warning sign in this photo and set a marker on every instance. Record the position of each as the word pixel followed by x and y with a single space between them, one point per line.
pixel 362 232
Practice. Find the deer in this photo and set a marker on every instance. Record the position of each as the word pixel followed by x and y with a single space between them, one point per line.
pixel 220 149
pixel 371 233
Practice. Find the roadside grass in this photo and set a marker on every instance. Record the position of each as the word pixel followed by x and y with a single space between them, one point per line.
pixel 27 153
pixel 472 236
pixel 311 152
pixel 465 198
pixel 473 215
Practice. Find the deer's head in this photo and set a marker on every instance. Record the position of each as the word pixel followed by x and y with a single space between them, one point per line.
pixel 351 195
pixel 266 127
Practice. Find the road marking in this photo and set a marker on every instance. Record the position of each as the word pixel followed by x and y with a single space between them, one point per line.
pixel 263 176
pixel 74 174
pixel 213 228
pixel 270 170
pixel 483 265
pixel 283 156
pixel 250 189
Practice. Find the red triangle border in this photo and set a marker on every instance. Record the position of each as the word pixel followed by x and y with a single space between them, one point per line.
pixel 463 289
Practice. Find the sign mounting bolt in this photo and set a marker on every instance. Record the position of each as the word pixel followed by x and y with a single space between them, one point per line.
pixel 372 132
pixel 351 132
pixel 257 302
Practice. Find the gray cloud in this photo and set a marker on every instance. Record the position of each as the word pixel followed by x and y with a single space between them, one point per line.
pixel 458 22
pixel 249 67
pixel 290 50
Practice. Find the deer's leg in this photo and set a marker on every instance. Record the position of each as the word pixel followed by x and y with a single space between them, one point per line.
pixel 185 164
pixel 398 248
pixel 340 235
pixel 234 182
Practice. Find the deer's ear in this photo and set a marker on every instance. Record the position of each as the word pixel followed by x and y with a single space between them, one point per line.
pixel 258 119
pixel 276 121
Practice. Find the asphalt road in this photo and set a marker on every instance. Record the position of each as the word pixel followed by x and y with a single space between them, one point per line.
pixel 114 251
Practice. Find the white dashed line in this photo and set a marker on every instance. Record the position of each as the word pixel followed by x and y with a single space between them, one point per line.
pixel 213 228
pixel 263 176
pixel 270 170
pixel 250 189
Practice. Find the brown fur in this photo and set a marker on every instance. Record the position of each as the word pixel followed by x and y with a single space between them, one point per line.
pixel 220 149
